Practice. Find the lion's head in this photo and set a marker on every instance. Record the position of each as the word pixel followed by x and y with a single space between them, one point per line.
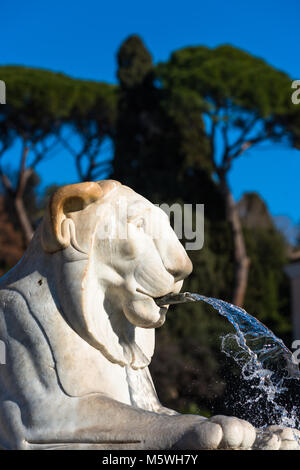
pixel 114 253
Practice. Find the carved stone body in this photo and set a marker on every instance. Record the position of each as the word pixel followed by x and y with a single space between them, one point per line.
pixel 77 315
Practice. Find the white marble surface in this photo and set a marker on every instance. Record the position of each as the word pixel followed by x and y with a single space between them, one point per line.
pixel 78 319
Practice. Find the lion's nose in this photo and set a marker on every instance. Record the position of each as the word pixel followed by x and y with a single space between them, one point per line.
pixel 174 258
pixel 181 268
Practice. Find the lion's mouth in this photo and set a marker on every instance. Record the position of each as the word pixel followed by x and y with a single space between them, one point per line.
pixel 155 299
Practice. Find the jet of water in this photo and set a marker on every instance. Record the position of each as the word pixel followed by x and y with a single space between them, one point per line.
pixel 263 358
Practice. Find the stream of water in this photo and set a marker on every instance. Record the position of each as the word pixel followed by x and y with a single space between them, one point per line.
pixel 266 364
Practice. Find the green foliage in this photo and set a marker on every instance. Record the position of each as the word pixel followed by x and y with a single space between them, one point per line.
pixel 96 103
pixel 40 106
pixel 242 96
pixel 41 101
pixel 185 113
pixel 37 99
pixel 134 63
pixel 267 295
pixel 159 136
pixel 229 77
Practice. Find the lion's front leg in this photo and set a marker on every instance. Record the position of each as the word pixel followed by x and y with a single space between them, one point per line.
pixel 119 423
pixel 101 422
pixel 97 421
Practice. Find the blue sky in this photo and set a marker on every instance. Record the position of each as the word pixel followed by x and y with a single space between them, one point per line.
pixel 81 39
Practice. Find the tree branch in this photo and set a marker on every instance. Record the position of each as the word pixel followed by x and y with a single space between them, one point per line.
pixel 243 134
pixel 7 183
pixel 24 173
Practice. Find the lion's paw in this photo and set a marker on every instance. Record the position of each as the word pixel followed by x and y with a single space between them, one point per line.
pixel 277 438
pixel 219 432
pixel 236 433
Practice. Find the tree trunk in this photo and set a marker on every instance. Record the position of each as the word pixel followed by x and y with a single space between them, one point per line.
pixel 23 219
pixel 241 260
pixel 16 195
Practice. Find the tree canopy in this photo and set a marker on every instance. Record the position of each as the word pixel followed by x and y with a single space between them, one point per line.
pixel 244 102
pixel 41 106
pixel 238 92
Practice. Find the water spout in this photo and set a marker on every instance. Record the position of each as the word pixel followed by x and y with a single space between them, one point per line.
pixel 265 361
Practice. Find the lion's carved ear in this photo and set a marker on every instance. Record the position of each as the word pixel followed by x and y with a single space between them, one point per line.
pixel 57 227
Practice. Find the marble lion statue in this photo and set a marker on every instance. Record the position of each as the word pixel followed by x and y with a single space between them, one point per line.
pixel 78 316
